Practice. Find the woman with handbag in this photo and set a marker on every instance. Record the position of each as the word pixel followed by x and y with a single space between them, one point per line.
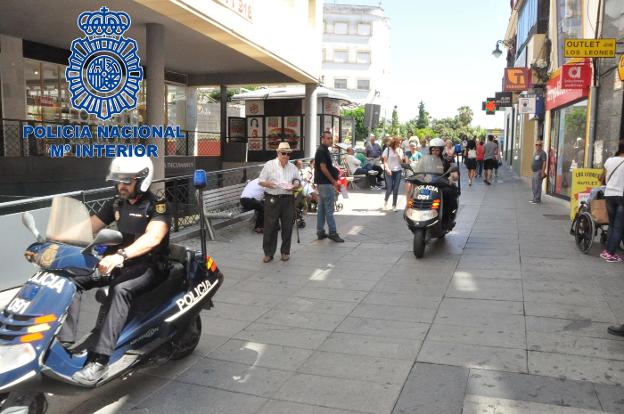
pixel 614 195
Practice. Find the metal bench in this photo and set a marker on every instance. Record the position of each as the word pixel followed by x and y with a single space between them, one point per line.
pixel 223 203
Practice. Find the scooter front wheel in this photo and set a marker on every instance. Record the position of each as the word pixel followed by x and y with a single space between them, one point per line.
pixel 185 342
pixel 24 404
pixel 419 243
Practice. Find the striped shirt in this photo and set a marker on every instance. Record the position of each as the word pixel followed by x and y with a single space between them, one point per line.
pixel 273 171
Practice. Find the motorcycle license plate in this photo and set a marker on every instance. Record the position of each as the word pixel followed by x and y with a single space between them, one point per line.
pixel 423 190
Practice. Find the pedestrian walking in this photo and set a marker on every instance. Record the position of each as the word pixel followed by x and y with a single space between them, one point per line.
pixel 480 154
pixel 392 159
pixel 497 158
pixel 449 151
pixel 489 158
pixel 325 176
pixel 277 178
pixel 538 166
pixel 470 156
pixel 614 196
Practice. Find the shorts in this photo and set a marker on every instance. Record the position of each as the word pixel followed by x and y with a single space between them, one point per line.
pixel 471 163
pixel 490 164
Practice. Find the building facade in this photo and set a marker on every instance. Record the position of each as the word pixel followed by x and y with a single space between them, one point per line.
pixel 580 126
pixel 356 54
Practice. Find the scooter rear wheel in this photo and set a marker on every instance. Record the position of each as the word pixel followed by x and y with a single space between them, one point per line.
pixel 419 243
pixel 185 342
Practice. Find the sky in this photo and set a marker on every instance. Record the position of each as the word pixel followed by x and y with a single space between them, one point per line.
pixel 441 53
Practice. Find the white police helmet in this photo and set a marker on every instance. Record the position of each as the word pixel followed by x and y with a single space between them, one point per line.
pixel 437 142
pixel 124 169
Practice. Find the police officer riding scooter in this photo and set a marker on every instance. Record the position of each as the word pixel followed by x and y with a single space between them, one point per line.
pixel 129 269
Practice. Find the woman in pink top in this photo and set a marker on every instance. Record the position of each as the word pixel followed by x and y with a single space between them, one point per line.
pixel 480 156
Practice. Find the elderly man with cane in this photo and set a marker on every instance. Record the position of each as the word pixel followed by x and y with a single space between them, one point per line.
pixel 277 177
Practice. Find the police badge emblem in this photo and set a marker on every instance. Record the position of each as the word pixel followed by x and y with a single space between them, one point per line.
pixel 161 208
pixel 104 72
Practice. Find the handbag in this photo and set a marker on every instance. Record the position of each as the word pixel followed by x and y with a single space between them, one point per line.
pixel 472 153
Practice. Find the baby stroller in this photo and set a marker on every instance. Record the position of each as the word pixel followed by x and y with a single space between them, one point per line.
pixel 590 220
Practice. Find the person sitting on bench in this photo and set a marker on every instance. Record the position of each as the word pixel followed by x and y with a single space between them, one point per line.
pixel 252 198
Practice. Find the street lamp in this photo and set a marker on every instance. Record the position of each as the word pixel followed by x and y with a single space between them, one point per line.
pixel 497 52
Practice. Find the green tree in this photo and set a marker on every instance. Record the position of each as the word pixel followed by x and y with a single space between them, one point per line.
pixel 360 132
pixel 395 128
pixel 423 116
pixel 464 115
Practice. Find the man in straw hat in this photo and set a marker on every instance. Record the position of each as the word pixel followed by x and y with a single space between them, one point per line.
pixel 277 178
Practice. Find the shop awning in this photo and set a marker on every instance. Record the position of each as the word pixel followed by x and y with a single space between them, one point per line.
pixel 290 92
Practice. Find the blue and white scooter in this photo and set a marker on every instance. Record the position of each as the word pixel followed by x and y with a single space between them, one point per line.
pixel 164 323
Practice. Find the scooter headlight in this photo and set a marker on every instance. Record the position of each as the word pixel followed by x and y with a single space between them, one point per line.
pixel 421 215
pixel 15 356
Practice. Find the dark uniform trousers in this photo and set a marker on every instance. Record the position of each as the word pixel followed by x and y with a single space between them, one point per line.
pixel 126 285
pixel 278 210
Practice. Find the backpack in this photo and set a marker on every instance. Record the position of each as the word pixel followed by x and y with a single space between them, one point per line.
pixel 458 148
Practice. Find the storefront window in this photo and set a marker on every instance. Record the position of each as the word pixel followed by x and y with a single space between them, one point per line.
pixel 567 146
pixel 48 98
pixel 176 104
pixel 569 14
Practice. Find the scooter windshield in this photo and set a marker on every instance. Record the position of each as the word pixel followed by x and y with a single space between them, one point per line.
pixel 428 164
pixel 69 222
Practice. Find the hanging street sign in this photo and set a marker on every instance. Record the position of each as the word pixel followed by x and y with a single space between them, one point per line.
pixel 576 76
pixel 503 99
pixel 590 48
pixel 489 106
pixel 527 105
pixel 517 79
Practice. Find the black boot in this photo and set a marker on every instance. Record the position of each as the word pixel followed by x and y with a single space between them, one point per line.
pixel 616 330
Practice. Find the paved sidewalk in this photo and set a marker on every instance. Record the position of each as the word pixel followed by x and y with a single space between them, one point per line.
pixel 503 316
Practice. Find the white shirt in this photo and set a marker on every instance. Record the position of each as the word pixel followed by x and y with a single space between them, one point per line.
pixel 253 189
pixel 615 185
pixel 273 171
pixel 393 158
pixel 353 163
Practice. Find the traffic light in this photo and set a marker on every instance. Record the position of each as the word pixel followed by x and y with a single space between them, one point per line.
pixel 489 106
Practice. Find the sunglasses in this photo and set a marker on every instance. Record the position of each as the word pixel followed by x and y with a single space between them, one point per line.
pixel 284 153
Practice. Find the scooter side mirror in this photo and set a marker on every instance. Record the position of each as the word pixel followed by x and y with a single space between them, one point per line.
pixel 107 237
pixel 29 221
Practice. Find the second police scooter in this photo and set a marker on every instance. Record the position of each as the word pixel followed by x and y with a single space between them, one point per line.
pixel 164 323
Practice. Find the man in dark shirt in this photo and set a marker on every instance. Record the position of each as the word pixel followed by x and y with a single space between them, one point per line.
pixel 130 269
pixel 325 176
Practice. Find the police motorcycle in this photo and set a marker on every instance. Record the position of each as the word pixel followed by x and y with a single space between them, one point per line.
pixel 424 212
pixel 164 323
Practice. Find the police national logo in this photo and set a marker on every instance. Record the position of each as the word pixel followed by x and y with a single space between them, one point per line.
pixel 104 72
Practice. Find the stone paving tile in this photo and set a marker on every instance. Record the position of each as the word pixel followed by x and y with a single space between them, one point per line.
pixel 415 288
pixel 576 367
pixel 611 397
pixel 432 389
pixel 496 336
pixel 475 404
pixel 247 298
pixel 285 407
pixel 283 335
pixel 583 327
pixel 393 313
pixel 209 343
pixel 343 295
pixel 532 388
pixel 268 288
pixel 308 320
pixel 340 393
pixel 317 305
pixel 575 345
pixel 450 306
pixel 485 288
pixel 372 346
pixel 565 311
pixel 488 273
pixel 402 299
pixel 389 329
pixel 261 355
pixel 176 397
pixel 481 319
pixel 357 367
pixel 230 376
pixel 237 311
pixel 473 356
pixel 338 282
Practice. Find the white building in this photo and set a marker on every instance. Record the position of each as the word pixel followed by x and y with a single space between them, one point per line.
pixel 356 52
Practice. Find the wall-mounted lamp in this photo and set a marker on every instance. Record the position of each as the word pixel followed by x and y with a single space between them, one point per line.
pixel 497 52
